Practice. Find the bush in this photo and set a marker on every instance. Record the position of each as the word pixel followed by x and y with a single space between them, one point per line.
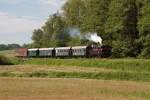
pixel 4 61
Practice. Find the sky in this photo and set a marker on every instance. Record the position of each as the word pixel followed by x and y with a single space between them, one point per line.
pixel 18 18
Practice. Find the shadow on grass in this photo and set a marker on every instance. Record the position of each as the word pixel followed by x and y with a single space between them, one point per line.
pixel 5 61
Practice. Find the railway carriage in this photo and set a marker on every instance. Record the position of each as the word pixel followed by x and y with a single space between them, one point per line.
pixel 22 52
pixel 33 52
pixel 79 51
pixel 46 52
pixel 63 52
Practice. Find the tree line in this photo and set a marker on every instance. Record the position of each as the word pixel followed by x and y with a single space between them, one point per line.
pixel 123 24
pixel 9 46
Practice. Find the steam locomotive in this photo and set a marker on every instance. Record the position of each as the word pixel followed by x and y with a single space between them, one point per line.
pixel 62 52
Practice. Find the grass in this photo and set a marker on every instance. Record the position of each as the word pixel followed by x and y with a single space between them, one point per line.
pixel 107 69
pixel 71 89
pixel 83 75
pixel 117 64
pixel 46 68
pixel 128 64
pixel 7 57
pixel 33 79
pixel 5 61
pixel 8 53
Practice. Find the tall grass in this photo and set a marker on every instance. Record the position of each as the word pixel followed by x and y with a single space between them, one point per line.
pixel 125 69
pixel 5 61
pixel 99 75
pixel 139 65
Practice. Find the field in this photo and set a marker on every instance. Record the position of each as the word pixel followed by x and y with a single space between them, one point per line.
pixel 71 89
pixel 107 69
pixel 74 79
pixel 8 53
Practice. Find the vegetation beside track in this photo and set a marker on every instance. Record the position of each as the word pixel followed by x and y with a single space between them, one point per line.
pixel 107 69
pixel 5 61
pixel 136 65
pixel 113 69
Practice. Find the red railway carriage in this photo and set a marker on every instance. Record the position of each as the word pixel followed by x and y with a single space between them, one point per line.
pixel 22 52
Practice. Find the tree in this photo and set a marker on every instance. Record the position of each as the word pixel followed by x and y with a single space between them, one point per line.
pixel 3 47
pixel 87 15
pixel 48 31
pixel 13 46
pixel 123 24
pixel 121 27
pixel 95 16
pixel 9 46
pixel 60 35
pixel 75 41
pixel 37 38
pixel 144 27
pixel 74 11
pixel 54 33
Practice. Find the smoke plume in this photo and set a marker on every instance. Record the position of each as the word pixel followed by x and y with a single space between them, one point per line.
pixel 74 32
pixel 94 37
pixel 90 36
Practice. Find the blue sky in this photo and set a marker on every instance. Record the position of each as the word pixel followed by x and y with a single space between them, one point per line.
pixel 18 18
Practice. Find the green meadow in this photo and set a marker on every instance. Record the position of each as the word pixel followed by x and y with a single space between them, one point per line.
pixel 73 78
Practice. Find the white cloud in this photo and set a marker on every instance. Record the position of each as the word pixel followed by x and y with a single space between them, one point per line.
pixel 17 28
pixel 54 3
pixel 14 24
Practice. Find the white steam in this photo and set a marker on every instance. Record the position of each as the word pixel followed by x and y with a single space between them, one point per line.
pixel 74 32
pixel 90 36
pixel 94 37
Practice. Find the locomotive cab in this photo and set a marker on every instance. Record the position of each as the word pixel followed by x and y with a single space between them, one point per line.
pixel 106 51
pixel 93 50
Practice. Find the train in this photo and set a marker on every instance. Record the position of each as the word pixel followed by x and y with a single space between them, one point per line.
pixel 90 51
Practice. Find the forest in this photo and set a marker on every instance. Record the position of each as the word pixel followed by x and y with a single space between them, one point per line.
pixel 122 24
pixel 10 46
